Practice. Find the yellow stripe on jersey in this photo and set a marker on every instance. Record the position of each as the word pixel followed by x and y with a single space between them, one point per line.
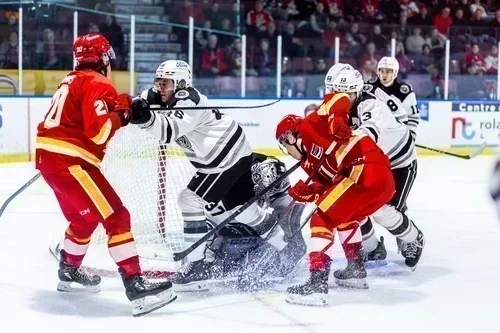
pixel 66 148
pixel 120 238
pixel 324 109
pixel 335 194
pixel 321 230
pixel 356 172
pixel 92 190
pixel 342 152
pixel 103 134
pixel 79 240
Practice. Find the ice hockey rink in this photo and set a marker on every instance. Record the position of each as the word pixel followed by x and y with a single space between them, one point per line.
pixel 456 287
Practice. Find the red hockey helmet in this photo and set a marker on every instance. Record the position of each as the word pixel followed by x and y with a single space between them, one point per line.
pixel 288 126
pixel 91 48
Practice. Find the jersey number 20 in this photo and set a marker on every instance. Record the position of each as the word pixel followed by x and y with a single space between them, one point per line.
pixel 53 117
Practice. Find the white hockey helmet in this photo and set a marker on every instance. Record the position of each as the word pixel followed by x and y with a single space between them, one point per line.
pixel 389 63
pixel 177 70
pixel 333 72
pixel 349 81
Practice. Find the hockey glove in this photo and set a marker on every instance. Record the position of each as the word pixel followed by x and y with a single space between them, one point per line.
pixel 339 129
pixel 140 111
pixel 306 193
pixel 122 108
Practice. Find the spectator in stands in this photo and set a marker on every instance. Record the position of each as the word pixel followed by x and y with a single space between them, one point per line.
pixel 258 19
pixel 201 36
pixel 436 40
pixel 214 15
pixel 409 7
pixel 423 18
pixel 331 33
pixel 426 62
pixel 104 6
pixel 264 61
pixel 369 6
pixel 370 54
pixel 443 21
pixel 405 65
pixel 352 10
pixel 476 58
pixel 189 10
pixel 293 46
pixel 472 87
pixel 93 28
pixel 11 26
pixel 320 66
pixel 319 20
pixel 477 5
pixel 495 24
pixel 290 10
pixel 9 52
pixel 271 35
pixel 373 16
pixel 460 32
pixel 368 70
pixel 381 42
pixel 391 10
pixel 355 41
pixel 402 28
pixel 114 34
pixel 213 59
pixel 415 42
pixel 333 7
pixel 491 61
pixel 464 5
pixel 235 60
pixel 479 27
pixel 310 109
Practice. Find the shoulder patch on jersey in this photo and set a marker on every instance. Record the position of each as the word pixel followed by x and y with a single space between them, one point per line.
pixel 316 151
pixel 182 94
pixel 405 89
pixel 367 87
pixel 372 80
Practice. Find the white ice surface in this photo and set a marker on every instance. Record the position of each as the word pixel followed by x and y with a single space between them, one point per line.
pixel 456 287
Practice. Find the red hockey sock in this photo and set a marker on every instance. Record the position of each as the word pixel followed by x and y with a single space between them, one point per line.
pixel 75 248
pixel 123 250
pixel 318 261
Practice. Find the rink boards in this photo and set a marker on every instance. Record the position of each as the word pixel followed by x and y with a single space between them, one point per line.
pixel 454 125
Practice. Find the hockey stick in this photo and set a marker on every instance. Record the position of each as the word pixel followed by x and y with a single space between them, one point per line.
pixel 478 151
pixel 25 186
pixel 162 108
pixel 182 254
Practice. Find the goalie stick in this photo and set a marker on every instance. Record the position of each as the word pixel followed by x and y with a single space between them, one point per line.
pixel 19 191
pixel 162 108
pixel 478 151
pixel 182 254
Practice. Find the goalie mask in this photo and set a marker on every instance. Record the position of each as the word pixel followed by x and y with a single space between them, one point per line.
pixel 266 172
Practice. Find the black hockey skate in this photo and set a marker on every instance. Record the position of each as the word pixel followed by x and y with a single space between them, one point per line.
pixel 312 293
pixel 145 295
pixel 69 275
pixel 413 250
pixel 378 255
pixel 353 276
pixel 192 276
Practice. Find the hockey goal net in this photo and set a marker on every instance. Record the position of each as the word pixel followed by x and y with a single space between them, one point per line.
pixel 148 177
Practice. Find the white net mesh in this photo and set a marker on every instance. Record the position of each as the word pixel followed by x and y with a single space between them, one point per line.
pixel 148 178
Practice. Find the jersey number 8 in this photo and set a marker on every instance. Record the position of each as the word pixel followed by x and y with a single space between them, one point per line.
pixel 393 106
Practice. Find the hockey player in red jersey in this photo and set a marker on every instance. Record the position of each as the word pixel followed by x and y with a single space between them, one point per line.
pixel 351 183
pixel 85 113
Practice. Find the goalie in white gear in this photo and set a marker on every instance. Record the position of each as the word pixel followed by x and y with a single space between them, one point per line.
pixel 216 146
pixel 373 117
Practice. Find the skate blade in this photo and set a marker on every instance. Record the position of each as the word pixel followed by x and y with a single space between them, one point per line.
pixel 353 283
pixel 67 287
pixel 375 263
pixel 192 287
pixel 315 299
pixel 148 304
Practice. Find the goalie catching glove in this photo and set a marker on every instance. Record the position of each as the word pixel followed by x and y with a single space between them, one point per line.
pixel 306 193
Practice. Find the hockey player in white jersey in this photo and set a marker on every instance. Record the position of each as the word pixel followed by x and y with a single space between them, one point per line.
pixel 399 96
pixel 374 117
pixel 216 146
